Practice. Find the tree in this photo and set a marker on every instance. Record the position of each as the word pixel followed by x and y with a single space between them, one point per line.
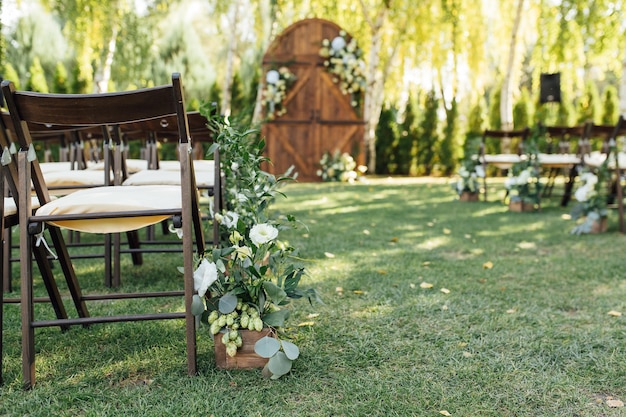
pixel 60 82
pixel 506 99
pixel 385 142
pixel 37 79
pixel 611 105
pixel 448 147
pixel 428 136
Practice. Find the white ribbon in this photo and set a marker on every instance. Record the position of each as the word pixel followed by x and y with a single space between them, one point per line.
pixel 41 239
pixel 178 231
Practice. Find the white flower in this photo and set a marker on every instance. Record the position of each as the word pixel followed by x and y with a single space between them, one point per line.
pixel 204 277
pixel 272 77
pixel 230 219
pixel 263 233
pixel 523 177
pixel 234 166
pixel 243 252
pixel 463 172
pixel 338 43
pixel 480 171
pixel 510 182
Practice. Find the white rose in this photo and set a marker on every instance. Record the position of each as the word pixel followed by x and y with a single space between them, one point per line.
pixel 204 277
pixel 272 77
pixel 263 233
pixel 338 43
pixel 230 219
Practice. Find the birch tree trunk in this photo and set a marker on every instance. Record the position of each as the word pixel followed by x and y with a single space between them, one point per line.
pixel 268 18
pixel 622 90
pixel 374 94
pixel 506 97
pixel 101 84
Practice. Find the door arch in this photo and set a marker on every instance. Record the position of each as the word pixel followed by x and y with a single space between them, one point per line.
pixel 318 118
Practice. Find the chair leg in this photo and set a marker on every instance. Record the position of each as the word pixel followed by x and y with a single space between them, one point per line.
pixel 27 313
pixel 7 284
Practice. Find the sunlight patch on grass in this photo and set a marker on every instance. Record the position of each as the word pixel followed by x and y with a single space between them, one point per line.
pixel 434 243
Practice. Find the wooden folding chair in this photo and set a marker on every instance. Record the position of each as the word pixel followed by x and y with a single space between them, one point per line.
pixel 103 209
pixel 504 159
pixel 564 156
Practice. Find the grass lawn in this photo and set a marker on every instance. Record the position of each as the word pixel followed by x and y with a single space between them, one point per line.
pixel 431 305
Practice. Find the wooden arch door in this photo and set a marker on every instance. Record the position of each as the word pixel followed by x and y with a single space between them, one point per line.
pixel 319 117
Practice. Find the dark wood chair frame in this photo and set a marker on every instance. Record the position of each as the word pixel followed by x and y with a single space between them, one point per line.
pixel 90 110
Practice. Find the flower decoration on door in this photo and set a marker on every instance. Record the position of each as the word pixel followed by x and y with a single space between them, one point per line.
pixel 277 84
pixel 343 60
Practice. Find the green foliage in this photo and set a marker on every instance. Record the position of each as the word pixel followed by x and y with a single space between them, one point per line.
pixel 476 123
pixel 60 82
pixel 495 121
pixel 386 141
pixel 406 143
pixel 589 105
pixel 9 73
pixel 610 101
pixel 428 134
pixel 522 111
pixel 448 152
pixel 37 79
pixel 566 114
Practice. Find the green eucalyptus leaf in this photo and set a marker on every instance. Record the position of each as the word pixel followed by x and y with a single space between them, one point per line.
pixel 197 306
pixel 276 318
pixel 266 347
pixel 279 365
pixel 181 269
pixel 291 350
pixel 275 293
pixel 228 303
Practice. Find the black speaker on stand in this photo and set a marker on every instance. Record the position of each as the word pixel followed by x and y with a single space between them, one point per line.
pixel 550 88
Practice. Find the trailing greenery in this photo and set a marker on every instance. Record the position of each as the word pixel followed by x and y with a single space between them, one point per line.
pixel 465 308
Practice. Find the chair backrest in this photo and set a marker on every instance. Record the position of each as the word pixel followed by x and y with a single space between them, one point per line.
pixel 505 137
pixel 92 110
pixel 565 139
pixel 607 134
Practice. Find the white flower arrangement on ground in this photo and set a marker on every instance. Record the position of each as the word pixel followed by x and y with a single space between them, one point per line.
pixel 592 200
pixel 247 281
pixel 523 183
pixel 340 167
pixel 343 59
pixel 469 174
pixel 277 84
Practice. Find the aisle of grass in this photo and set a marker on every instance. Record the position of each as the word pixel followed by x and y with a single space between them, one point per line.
pixel 530 336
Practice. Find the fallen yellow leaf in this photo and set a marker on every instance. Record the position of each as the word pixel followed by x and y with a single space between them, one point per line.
pixel 430 224
pixel 467 354
pixel 366 232
pixel 446 231
pixel 329 255
pixel 511 311
pixel 426 285
pixel 425 263
pixel 467 236
pixel 394 239
pixel 306 323
pixel 339 289
pixel 445 290
pixel 614 403
pixel 615 313
pixel 358 292
pixel 445 413
pixel 313 315
pixel 488 265
pixel 382 272
pixel 411 285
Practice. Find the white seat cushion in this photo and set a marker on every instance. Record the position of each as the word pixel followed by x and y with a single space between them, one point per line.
pixel 198 165
pixel 132 165
pixel 204 179
pixel 113 199
pixel 10 208
pixel 558 160
pixel 82 177
pixel 503 160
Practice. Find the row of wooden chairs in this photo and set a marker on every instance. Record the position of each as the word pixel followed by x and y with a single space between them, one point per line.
pixel 109 210
pixel 568 150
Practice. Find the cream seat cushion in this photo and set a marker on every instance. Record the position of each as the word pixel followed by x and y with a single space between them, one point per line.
pixel 132 165
pixel 204 179
pixel 558 160
pixel 503 160
pixel 596 158
pixel 10 208
pixel 198 165
pixel 81 177
pixel 110 200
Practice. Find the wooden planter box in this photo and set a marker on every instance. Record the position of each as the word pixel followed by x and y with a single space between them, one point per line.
pixel 520 206
pixel 599 226
pixel 245 357
pixel 468 196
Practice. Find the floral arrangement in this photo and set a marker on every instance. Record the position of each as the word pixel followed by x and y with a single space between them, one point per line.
pixel 468 176
pixel 247 281
pixel 523 183
pixel 592 199
pixel 340 167
pixel 343 59
pixel 277 83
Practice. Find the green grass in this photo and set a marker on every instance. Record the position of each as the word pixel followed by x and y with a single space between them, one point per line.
pixel 529 337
